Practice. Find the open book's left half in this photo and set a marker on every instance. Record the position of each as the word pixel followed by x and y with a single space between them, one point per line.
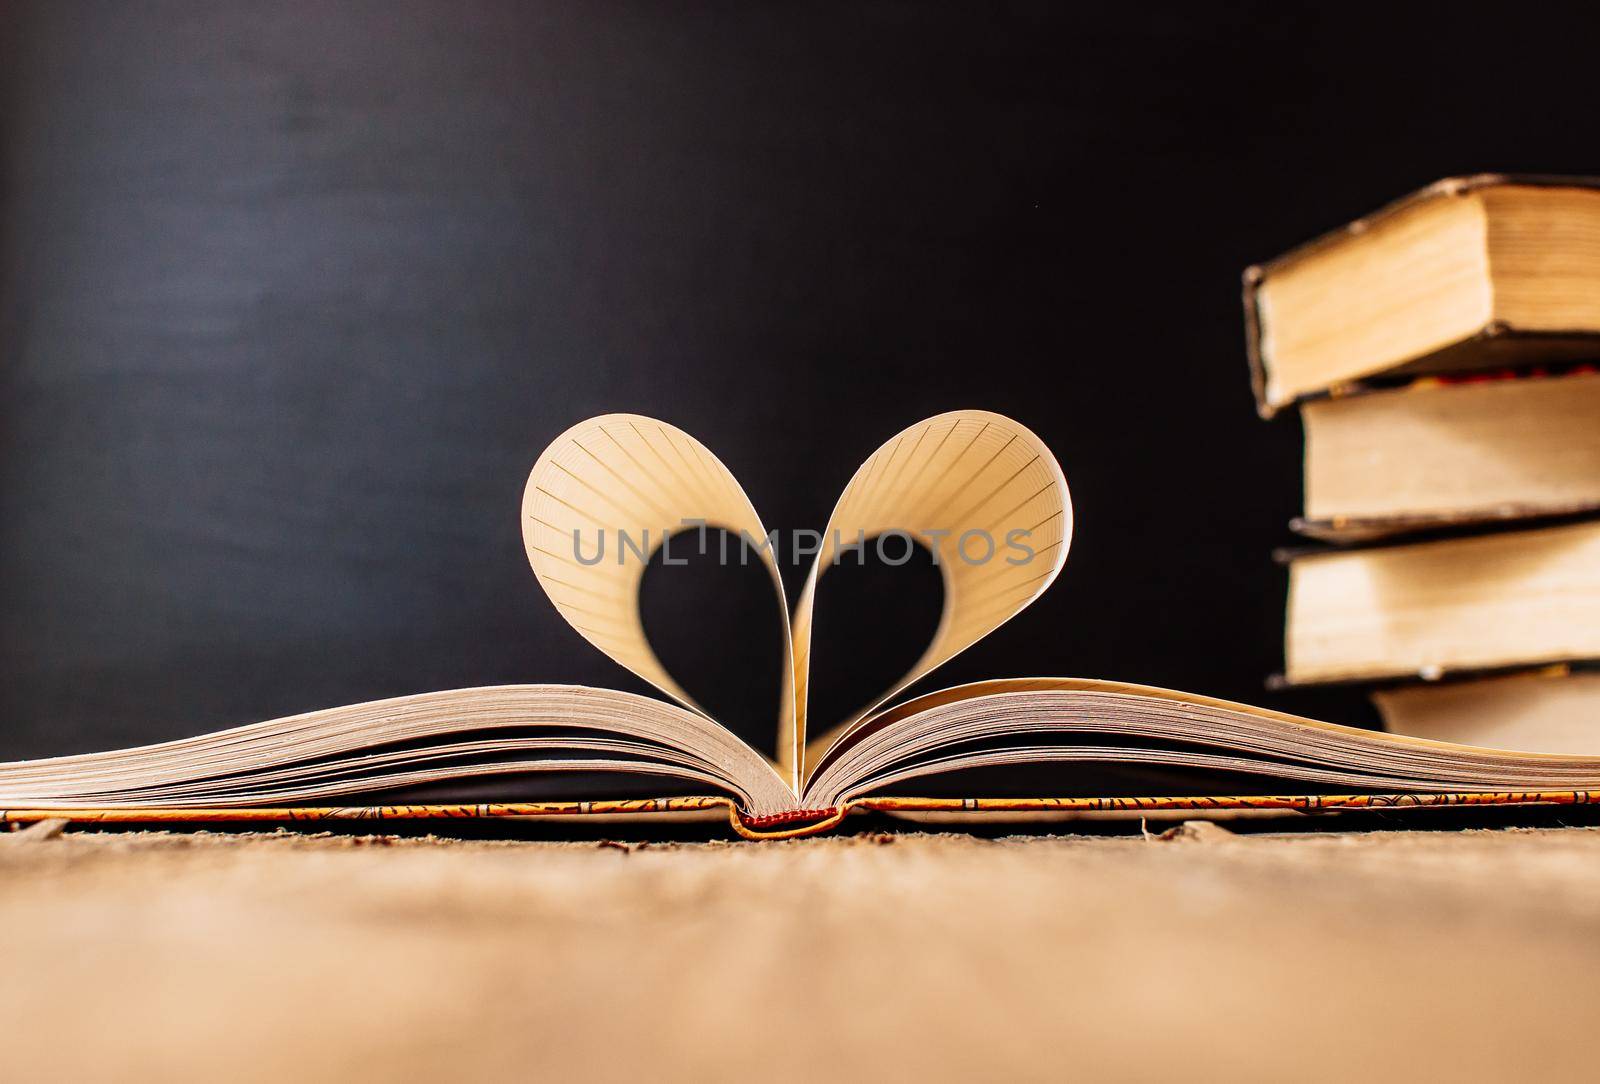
pixel 980 492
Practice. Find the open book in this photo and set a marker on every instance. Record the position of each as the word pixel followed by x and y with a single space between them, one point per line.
pixel 981 492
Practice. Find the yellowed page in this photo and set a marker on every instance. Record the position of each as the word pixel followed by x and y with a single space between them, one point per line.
pixel 627 475
pixel 986 496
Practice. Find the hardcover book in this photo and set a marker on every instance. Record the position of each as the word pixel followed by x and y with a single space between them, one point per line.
pixel 1446 452
pixel 1483 272
pixel 1511 599
pixel 982 493
pixel 1552 709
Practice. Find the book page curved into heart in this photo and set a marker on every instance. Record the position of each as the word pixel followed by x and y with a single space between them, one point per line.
pixel 987 498
pixel 599 500
pixel 981 491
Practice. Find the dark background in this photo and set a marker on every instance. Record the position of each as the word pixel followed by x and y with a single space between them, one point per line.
pixel 292 295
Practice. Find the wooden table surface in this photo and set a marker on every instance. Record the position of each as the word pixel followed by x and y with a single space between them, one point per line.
pixel 283 957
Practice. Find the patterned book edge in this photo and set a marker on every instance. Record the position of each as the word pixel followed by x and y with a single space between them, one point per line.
pixel 797 823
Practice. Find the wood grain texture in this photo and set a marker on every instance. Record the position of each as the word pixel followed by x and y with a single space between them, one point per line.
pixel 1257 956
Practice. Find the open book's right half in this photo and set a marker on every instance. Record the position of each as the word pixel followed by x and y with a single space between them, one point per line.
pixel 987 499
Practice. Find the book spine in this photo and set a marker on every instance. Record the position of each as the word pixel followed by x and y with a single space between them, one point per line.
pixel 789 824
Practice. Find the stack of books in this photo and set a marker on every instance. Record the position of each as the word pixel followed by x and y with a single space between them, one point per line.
pixel 1441 353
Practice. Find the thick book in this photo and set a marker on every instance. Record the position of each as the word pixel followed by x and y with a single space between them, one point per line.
pixel 1551 709
pixel 1452 451
pixel 980 491
pixel 1483 272
pixel 1456 605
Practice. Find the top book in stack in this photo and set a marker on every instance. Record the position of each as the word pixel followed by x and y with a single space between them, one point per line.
pixel 1492 271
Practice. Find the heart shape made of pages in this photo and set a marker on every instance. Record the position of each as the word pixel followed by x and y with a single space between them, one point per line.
pixel 979 490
